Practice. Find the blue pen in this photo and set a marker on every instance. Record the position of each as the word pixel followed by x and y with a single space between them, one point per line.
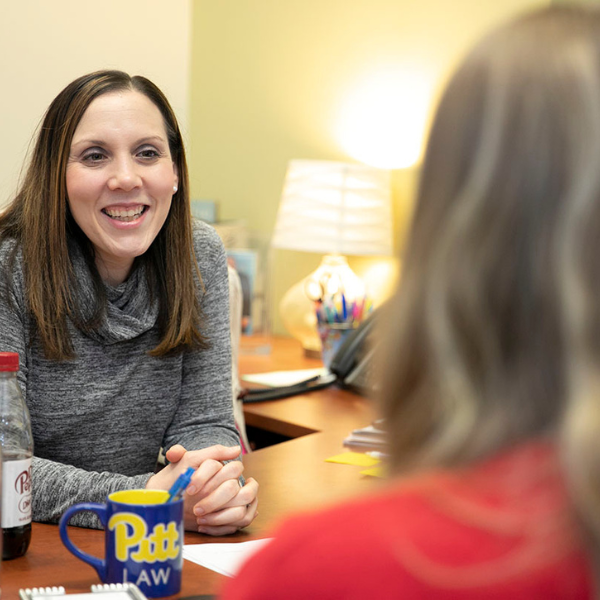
pixel 180 484
pixel 344 308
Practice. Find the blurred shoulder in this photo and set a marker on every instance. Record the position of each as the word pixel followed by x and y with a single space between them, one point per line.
pixel 340 552
pixel 437 531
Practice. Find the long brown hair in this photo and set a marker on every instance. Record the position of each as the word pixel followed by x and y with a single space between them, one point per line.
pixel 496 319
pixel 39 220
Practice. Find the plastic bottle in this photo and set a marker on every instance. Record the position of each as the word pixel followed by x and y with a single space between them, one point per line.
pixel 16 441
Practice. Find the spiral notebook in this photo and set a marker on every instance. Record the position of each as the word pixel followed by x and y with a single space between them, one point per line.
pixel 109 591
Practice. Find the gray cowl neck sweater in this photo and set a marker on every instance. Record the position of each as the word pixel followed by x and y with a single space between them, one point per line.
pixel 99 420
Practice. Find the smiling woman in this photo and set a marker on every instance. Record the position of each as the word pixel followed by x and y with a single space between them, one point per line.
pixel 117 304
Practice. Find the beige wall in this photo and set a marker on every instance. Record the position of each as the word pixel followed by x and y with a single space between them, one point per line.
pixel 44 44
pixel 274 80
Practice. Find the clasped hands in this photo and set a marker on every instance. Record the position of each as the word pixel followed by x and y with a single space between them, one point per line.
pixel 214 502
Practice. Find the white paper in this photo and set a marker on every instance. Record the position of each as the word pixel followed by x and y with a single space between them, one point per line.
pixel 226 559
pixel 280 378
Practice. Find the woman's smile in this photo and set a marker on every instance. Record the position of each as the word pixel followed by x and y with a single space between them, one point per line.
pixel 125 214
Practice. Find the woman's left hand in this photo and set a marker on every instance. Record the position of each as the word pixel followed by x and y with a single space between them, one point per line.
pixel 215 498
pixel 217 515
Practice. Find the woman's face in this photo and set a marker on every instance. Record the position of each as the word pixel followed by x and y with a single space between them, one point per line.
pixel 120 179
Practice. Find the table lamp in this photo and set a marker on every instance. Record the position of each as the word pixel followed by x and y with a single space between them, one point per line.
pixel 335 209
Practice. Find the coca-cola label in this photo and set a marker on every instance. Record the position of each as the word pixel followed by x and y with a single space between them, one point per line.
pixel 16 493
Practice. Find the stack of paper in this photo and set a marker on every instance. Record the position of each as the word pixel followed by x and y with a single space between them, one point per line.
pixel 367 437
pixel 226 559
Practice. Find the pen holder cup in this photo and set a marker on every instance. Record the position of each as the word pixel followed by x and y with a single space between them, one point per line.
pixel 332 336
pixel 143 540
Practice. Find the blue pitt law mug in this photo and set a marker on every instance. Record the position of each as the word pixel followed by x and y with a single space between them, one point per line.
pixel 143 540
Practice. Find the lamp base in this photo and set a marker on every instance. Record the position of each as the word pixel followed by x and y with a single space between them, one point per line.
pixel 299 318
pixel 298 311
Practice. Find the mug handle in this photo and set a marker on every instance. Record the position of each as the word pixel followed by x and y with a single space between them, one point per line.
pixel 98 509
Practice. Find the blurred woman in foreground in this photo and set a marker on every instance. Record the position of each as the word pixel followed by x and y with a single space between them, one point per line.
pixel 492 386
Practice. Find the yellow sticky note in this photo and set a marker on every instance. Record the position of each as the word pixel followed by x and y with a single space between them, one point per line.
pixel 353 458
pixel 375 472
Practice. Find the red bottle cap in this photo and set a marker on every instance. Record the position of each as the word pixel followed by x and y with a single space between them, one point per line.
pixel 9 361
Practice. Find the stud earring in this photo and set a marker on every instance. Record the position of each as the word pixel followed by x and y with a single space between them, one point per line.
pixel 174 188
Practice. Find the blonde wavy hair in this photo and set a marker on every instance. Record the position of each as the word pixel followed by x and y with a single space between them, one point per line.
pixel 497 316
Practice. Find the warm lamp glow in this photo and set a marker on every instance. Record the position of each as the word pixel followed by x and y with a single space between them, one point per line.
pixel 383 119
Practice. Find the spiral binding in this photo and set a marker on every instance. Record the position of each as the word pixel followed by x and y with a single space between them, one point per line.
pixel 106 588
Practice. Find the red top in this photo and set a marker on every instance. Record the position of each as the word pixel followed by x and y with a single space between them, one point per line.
pixel 498 530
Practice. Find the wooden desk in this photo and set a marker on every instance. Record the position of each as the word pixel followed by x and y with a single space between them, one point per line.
pixel 292 476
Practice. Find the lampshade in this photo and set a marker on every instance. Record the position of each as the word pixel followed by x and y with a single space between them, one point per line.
pixel 333 207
